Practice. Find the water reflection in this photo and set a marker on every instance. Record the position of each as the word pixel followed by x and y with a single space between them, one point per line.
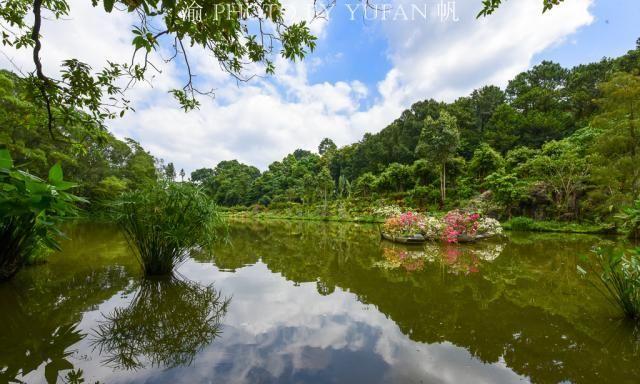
pixel 455 258
pixel 167 323
pixel 312 302
pixel 40 324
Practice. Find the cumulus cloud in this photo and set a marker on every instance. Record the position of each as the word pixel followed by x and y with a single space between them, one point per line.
pixel 261 121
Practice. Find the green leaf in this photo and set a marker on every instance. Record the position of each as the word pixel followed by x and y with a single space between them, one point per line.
pixel 55 174
pixel 108 5
pixel 5 159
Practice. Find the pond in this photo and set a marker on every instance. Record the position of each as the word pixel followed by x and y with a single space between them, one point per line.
pixel 303 302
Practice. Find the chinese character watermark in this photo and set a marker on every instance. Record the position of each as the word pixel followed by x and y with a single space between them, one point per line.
pixel 194 12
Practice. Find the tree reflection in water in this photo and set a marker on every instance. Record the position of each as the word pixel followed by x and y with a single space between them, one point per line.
pixel 168 321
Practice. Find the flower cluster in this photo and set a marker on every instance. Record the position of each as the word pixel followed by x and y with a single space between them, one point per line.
pixel 406 224
pixel 489 227
pixel 433 228
pixel 388 211
pixel 455 226
pixel 459 223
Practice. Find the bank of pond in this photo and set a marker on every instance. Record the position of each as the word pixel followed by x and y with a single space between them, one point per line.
pixel 314 302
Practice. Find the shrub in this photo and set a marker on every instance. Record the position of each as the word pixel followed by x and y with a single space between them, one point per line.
pixel 522 224
pixel 631 220
pixel 459 223
pixel 388 211
pixel 30 211
pixel 406 224
pixel 488 226
pixel 618 278
pixel 163 222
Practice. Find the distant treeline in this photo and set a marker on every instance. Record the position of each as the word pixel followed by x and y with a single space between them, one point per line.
pixel 556 143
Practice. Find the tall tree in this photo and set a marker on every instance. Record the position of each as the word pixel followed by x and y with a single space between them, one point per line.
pixel 170 172
pixel 617 149
pixel 326 145
pixel 438 142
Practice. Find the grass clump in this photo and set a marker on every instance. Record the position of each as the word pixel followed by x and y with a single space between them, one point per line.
pixel 618 276
pixel 521 224
pixel 164 222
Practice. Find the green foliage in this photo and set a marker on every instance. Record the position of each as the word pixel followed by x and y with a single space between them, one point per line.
pixel 630 217
pixel 438 142
pixel 223 32
pixel 618 276
pixel 490 6
pixel 164 222
pixel 326 145
pixel 30 211
pixel 91 157
pixel 485 161
pixel 521 224
pixel 617 147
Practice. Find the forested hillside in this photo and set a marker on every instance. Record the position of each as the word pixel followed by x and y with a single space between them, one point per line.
pixel 102 165
pixel 556 143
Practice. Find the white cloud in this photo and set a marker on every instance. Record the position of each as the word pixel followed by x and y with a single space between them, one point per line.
pixel 261 121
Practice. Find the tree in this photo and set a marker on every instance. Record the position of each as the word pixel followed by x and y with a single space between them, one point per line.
pixel 326 145
pixel 485 161
pixel 182 174
pixel 325 185
pixel 396 177
pixel 201 175
pixel 170 172
pixel 222 32
pixel 617 148
pixel 438 142
pixel 366 184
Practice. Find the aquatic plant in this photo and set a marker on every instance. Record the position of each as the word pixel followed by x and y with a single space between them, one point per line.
pixel 30 211
pixel 618 278
pixel 164 222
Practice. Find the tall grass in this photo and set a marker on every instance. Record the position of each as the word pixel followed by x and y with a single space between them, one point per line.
pixel 618 278
pixel 164 222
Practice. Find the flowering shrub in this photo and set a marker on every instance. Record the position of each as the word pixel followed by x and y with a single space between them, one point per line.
pixel 433 228
pixel 406 224
pixel 454 227
pixel 489 227
pixel 459 223
pixel 388 211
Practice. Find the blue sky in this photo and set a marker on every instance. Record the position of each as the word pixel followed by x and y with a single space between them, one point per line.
pixel 362 75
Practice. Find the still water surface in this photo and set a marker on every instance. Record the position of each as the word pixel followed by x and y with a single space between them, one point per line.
pixel 298 302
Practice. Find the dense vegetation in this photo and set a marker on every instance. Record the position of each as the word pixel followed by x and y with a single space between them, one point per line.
pixel 102 165
pixel 30 210
pixel 557 143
